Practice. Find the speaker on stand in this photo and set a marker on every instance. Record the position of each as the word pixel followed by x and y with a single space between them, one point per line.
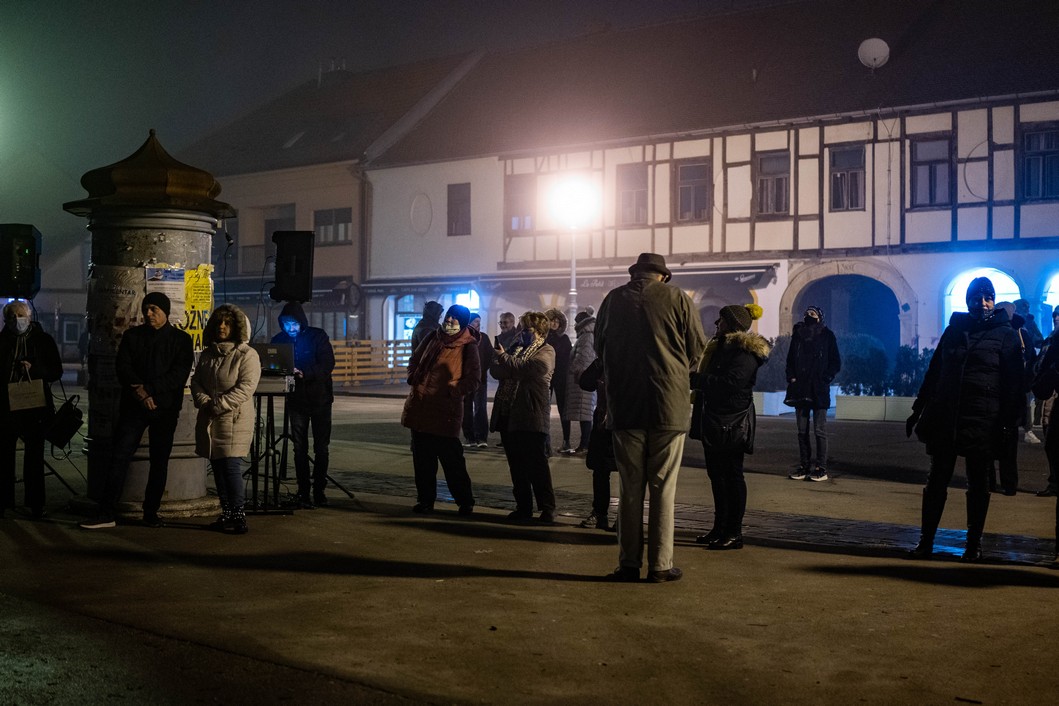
pixel 294 266
pixel 19 260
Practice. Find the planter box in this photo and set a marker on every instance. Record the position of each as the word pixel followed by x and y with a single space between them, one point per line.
pixel 861 407
pixel 770 404
pixel 898 409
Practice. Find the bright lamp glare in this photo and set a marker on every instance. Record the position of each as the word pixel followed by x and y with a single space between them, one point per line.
pixel 575 201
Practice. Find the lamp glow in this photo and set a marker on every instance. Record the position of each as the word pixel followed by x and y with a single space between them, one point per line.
pixel 574 202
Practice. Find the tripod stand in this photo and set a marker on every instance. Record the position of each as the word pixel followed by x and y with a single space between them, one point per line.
pixel 263 458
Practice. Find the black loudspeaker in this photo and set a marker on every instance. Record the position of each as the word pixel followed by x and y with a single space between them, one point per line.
pixel 294 266
pixel 19 260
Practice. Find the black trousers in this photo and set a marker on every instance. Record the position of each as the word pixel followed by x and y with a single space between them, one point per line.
pixel 527 460
pixel 427 450
pixel 29 426
pixel 319 419
pixel 127 435
pixel 725 469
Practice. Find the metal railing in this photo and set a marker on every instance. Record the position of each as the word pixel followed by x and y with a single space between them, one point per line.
pixel 371 362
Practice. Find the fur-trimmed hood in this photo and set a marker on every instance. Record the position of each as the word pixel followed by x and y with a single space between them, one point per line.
pixel 751 342
pixel 241 332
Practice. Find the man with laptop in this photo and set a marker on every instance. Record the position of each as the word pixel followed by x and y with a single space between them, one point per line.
pixel 309 405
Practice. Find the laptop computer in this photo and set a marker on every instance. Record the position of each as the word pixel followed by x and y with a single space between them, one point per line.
pixel 277 359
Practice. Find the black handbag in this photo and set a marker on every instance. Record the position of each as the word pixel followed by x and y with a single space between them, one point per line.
pixel 729 431
pixel 66 422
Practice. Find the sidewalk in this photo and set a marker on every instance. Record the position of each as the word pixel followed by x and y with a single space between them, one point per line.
pixel 364 602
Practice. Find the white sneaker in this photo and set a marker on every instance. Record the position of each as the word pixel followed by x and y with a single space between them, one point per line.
pixel 1031 438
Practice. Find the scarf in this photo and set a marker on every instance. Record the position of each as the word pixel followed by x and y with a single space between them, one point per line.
pixel 505 391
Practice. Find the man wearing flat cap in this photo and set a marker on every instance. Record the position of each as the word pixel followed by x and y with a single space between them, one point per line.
pixel 153 364
pixel 649 336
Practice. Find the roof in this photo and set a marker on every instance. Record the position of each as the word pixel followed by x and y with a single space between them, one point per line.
pixel 332 119
pixel 770 64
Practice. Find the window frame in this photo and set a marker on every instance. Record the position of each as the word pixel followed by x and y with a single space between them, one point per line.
pixel 1046 156
pixel 934 166
pixel 632 201
pixel 844 174
pixel 458 221
pixel 520 203
pixel 335 231
pixel 679 187
pixel 770 180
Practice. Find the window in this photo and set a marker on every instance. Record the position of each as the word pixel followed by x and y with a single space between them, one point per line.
pixel 931 170
pixel 520 200
pixel 693 185
pixel 847 178
pixel 956 294
pixel 773 180
pixel 459 209
pixel 1041 165
pixel 632 194
pixel 333 225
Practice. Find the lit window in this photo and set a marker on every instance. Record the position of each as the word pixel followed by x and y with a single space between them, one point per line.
pixel 956 295
pixel 469 299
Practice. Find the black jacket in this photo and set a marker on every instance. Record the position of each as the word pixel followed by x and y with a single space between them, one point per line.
pixel 973 388
pixel 160 360
pixel 314 357
pixel 726 385
pixel 812 363
pixel 42 354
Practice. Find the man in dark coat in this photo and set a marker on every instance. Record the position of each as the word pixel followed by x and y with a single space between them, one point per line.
pixel 431 321
pixel 475 414
pixel 649 336
pixel 310 402
pixel 812 363
pixel 26 353
pixel 153 364
pixel 969 401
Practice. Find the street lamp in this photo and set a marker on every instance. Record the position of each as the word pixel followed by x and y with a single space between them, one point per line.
pixel 574 201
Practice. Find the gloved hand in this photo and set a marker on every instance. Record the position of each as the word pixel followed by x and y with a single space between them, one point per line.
pixel 910 423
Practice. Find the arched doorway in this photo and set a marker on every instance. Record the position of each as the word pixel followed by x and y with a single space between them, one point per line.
pixel 855 304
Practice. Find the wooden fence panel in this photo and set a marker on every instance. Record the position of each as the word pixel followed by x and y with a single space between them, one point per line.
pixel 373 362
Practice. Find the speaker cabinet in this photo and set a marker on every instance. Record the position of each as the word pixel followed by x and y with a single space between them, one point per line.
pixel 294 266
pixel 19 260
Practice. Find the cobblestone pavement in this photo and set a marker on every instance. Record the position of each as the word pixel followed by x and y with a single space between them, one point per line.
pixel 777 529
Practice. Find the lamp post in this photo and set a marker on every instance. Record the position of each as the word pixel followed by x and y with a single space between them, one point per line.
pixel 574 203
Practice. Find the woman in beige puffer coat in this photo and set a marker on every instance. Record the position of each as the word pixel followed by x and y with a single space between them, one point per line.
pixel 223 389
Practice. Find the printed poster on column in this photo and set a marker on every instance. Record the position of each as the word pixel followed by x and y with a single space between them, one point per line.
pixel 198 301
pixel 170 282
pixel 114 296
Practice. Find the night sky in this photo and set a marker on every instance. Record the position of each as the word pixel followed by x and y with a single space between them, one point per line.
pixel 82 82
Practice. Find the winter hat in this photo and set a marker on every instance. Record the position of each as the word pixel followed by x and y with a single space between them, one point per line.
pixel 979 287
pixel 1008 307
pixel 584 318
pixel 460 313
pixel 815 312
pixel 651 262
pixel 158 299
pixel 432 310
pixel 740 316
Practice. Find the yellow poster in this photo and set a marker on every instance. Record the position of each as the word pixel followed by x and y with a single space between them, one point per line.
pixel 198 301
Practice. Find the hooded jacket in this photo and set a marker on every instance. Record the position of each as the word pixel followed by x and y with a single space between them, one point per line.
pixel 813 362
pixel 441 371
pixel 314 357
pixel 160 360
pixel 649 335
pixel 727 382
pixel 973 387
pixel 42 354
pixel 580 403
pixel 222 389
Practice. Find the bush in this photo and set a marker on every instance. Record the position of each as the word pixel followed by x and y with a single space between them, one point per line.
pixel 772 376
pixel 864 365
pixel 909 369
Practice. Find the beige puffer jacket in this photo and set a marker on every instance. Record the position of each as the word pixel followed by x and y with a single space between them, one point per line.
pixel 223 389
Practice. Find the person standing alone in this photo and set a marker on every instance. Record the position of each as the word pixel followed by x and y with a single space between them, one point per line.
pixel 309 405
pixel 649 336
pixel 812 363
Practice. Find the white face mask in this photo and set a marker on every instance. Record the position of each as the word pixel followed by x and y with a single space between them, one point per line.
pixel 22 324
pixel 450 328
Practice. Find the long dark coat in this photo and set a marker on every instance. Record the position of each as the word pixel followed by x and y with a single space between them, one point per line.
pixel 812 363
pixel 45 363
pixel 441 371
pixel 973 388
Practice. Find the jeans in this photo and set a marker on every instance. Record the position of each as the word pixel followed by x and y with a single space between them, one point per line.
pixel 427 450
pixel 300 420
pixel 475 416
pixel 647 459
pixel 530 473
pixel 228 475
pixel 127 435
pixel 725 469
pixel 805 449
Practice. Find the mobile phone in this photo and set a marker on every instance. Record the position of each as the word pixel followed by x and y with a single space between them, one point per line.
pixel 496 341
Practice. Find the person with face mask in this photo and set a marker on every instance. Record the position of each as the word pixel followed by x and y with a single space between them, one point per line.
pixel 968 404
pixel 309 405
pixel 26 353
pixel 813 362
pixel 444 368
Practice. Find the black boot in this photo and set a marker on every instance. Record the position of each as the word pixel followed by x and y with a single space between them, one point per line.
pixel 977 508
pixel 930 518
